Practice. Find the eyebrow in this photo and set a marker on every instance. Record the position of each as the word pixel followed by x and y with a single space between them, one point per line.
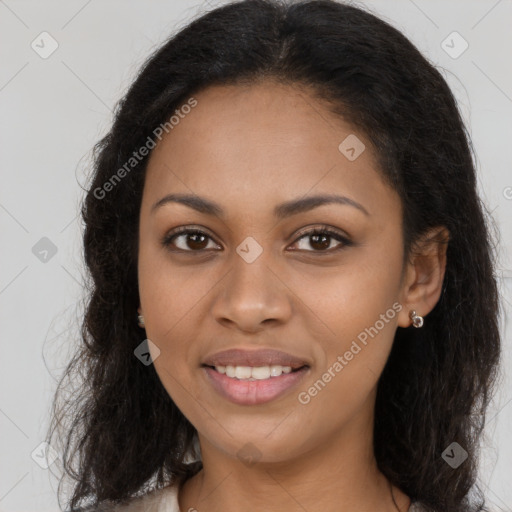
pixel 281 211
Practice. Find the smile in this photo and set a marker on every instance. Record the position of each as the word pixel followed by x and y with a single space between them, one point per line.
pixel 246 385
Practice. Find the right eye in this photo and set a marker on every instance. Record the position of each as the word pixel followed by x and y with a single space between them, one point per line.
pixel 191 240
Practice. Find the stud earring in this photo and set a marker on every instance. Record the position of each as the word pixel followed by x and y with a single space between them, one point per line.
pixel 140 319
pixel 417 320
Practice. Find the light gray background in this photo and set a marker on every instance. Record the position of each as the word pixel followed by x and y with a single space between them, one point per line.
pixel 52 112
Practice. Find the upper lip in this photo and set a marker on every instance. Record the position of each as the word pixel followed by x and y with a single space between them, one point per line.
pixel 260 357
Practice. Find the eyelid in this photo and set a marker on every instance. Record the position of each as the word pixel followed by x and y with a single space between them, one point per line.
pixel 323 228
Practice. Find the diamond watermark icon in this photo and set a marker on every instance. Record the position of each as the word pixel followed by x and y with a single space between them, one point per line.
pixel 44 250
pixel 147 352
pixel 454 45
pixel 454 455
pixel 44 45
pixel 351 147
pixel 249 249
pixel 44 455
pixel 249 454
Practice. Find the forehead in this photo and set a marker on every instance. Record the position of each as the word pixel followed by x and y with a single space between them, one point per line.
pixel 250 144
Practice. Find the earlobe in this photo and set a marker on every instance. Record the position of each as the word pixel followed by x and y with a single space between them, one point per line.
pixel 425 276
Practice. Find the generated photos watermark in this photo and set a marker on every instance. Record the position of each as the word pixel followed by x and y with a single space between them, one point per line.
pixel 304 397
pixel 143 151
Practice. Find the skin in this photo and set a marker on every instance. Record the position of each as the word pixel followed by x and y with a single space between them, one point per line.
pixel 249 148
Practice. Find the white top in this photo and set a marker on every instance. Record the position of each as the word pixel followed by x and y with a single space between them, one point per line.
pixel 166 500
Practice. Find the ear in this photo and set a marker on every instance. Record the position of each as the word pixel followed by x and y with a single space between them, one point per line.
pixel 424 274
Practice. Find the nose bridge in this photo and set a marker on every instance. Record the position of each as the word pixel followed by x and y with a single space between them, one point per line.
pixel 252 291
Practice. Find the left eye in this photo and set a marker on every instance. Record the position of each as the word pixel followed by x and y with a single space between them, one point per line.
pixel 322 238
pixel 194 240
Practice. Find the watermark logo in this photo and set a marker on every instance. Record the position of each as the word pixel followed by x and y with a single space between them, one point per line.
pixel 351 147
pixel 454 45
pixel 44 250
pixel 44 455
pixel 454 455
pixel 143 151
pixel 147 352
pixel 44 45
pixel 249 454
pixel 342 360
pixel 249 249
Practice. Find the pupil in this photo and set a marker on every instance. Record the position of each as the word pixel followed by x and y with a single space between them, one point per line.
pixel 192 239
pixel 323 244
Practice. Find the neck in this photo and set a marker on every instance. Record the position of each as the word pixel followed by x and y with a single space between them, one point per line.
pixel 339 474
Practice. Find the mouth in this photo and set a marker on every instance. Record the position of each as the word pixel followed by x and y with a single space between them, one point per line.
pixel 253 385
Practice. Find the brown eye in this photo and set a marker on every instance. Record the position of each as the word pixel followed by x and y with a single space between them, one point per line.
pixel 189 240
pixel 320 240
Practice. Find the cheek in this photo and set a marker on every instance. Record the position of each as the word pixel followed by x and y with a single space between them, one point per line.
pixel 176 365
pixel 352 297
pixel 169 293
pixel 356 311
pixel 166 301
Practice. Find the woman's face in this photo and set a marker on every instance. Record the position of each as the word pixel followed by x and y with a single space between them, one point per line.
pixel 254 279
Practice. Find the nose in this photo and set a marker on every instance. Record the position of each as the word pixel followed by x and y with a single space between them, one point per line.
pixel 252 296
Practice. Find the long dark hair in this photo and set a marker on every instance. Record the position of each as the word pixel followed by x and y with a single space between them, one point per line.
pixel 124 434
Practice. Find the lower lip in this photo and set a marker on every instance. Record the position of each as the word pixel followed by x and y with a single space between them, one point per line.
pixel 253 392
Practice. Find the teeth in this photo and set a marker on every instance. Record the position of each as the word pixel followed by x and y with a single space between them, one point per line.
pixel 261 372
pixel 243 372
pixel 254 372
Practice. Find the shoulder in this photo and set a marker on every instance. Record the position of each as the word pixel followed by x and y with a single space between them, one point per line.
pixel 416 507
pixel 157 500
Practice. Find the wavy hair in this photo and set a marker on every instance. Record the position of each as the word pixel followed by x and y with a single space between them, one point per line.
pixel 123 433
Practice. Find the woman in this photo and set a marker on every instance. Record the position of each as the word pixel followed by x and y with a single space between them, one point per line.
pixel 293 304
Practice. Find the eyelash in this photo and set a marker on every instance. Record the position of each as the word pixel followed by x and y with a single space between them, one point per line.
pixel 322 230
